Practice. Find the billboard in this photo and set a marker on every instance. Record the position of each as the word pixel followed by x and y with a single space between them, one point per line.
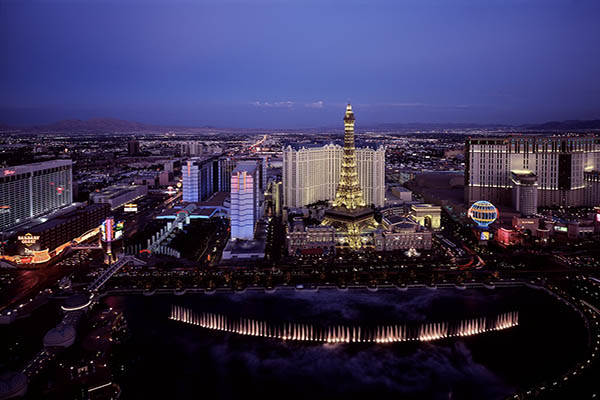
pixel 131 207
pixel 111 230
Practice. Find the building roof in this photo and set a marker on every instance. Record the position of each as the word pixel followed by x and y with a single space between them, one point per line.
pixel 192 209
pixel 248 167
pixel 359 144
pixel 39 166
pixel 12 384
pixel 65 217
pixel 422 207
pixel 400 188
pixel 216 200
pixel 115 191
pixel 62 335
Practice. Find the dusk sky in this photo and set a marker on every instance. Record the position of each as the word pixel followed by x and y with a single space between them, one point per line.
pixel 293 64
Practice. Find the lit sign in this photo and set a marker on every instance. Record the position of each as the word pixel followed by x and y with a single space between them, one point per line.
pixel 8 172
pixel 28 239
pixel 597 217
pixel 483 213
pixel 561 228
pixel 132 207
pixel 484 235
pixel 111 230
pixel 106 229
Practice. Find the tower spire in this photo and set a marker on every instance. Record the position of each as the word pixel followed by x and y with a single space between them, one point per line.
pixel 349 194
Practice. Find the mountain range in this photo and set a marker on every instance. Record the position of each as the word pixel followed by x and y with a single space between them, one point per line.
pixel 114 125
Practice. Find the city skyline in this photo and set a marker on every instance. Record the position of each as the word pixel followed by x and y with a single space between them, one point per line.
pixel 310 199
pixel 277 64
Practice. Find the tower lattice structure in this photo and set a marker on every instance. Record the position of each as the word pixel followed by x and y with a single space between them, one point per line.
pixel 349 193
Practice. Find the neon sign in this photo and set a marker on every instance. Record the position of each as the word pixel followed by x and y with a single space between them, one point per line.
pixel 28 239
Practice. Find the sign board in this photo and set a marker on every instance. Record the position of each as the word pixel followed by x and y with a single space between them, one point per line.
pixel 131 207
pixel 28 239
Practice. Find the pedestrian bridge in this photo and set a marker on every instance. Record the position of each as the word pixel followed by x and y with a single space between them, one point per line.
pixel 111 270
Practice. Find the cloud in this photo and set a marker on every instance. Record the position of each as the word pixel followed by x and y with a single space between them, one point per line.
pixel 287 104
pixel 316 104
pixel 277 104
pixel 407 105
pixel 429 106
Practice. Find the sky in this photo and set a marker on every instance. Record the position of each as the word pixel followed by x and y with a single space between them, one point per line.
pixel 295 63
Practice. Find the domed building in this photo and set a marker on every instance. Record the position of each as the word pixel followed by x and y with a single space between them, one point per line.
pixel 60 336
pixel 12 385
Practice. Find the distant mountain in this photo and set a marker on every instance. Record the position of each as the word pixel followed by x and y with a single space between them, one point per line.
pixel 98 125
pixel 565 126
pixel 558 126
pixel 102 125
pixel 114 125
pixel 6 128
pixel 94 125
pixel 430 126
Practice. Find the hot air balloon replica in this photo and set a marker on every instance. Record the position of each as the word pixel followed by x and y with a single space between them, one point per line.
pixel 483 213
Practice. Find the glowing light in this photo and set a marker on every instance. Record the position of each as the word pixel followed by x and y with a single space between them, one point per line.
pixel 483 213
pixel 344 333
pixel 76 308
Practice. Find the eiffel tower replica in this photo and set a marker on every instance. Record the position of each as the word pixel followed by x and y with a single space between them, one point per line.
pixel 349 215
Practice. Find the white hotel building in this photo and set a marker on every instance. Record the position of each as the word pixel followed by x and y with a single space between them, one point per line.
pixel 311 173
pixel 31 190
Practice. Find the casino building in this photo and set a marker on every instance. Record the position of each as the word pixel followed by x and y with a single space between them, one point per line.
pixel 529 171
pixel 350 223
pixel 44 241
pixel 311 173
pixel 31 190
pixel 119 195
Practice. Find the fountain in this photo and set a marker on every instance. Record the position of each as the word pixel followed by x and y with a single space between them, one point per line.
pixel 424 332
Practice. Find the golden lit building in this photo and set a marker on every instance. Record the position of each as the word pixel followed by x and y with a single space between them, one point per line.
pixel 311 173
pixel 350 216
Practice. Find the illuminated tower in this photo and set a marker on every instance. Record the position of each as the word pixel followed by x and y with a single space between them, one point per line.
pixel 349 214
pixel 349 194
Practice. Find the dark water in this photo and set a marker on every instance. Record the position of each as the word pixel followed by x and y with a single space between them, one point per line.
pixel 169 359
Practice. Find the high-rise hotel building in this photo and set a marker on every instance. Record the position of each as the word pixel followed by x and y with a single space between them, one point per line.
pixel 226 165
pixel 311 173
pixel 245 199
pixel 31 190
pixel 202 177
pixel 561 169
pixel 198 179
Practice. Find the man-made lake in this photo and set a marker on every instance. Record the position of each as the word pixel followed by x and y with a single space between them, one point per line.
pixel 170 359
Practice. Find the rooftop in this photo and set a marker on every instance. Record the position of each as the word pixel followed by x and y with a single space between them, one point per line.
pixel 358 144
pixel 39 166
pixel 65 217
pixel 116 191
pixel 248 167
